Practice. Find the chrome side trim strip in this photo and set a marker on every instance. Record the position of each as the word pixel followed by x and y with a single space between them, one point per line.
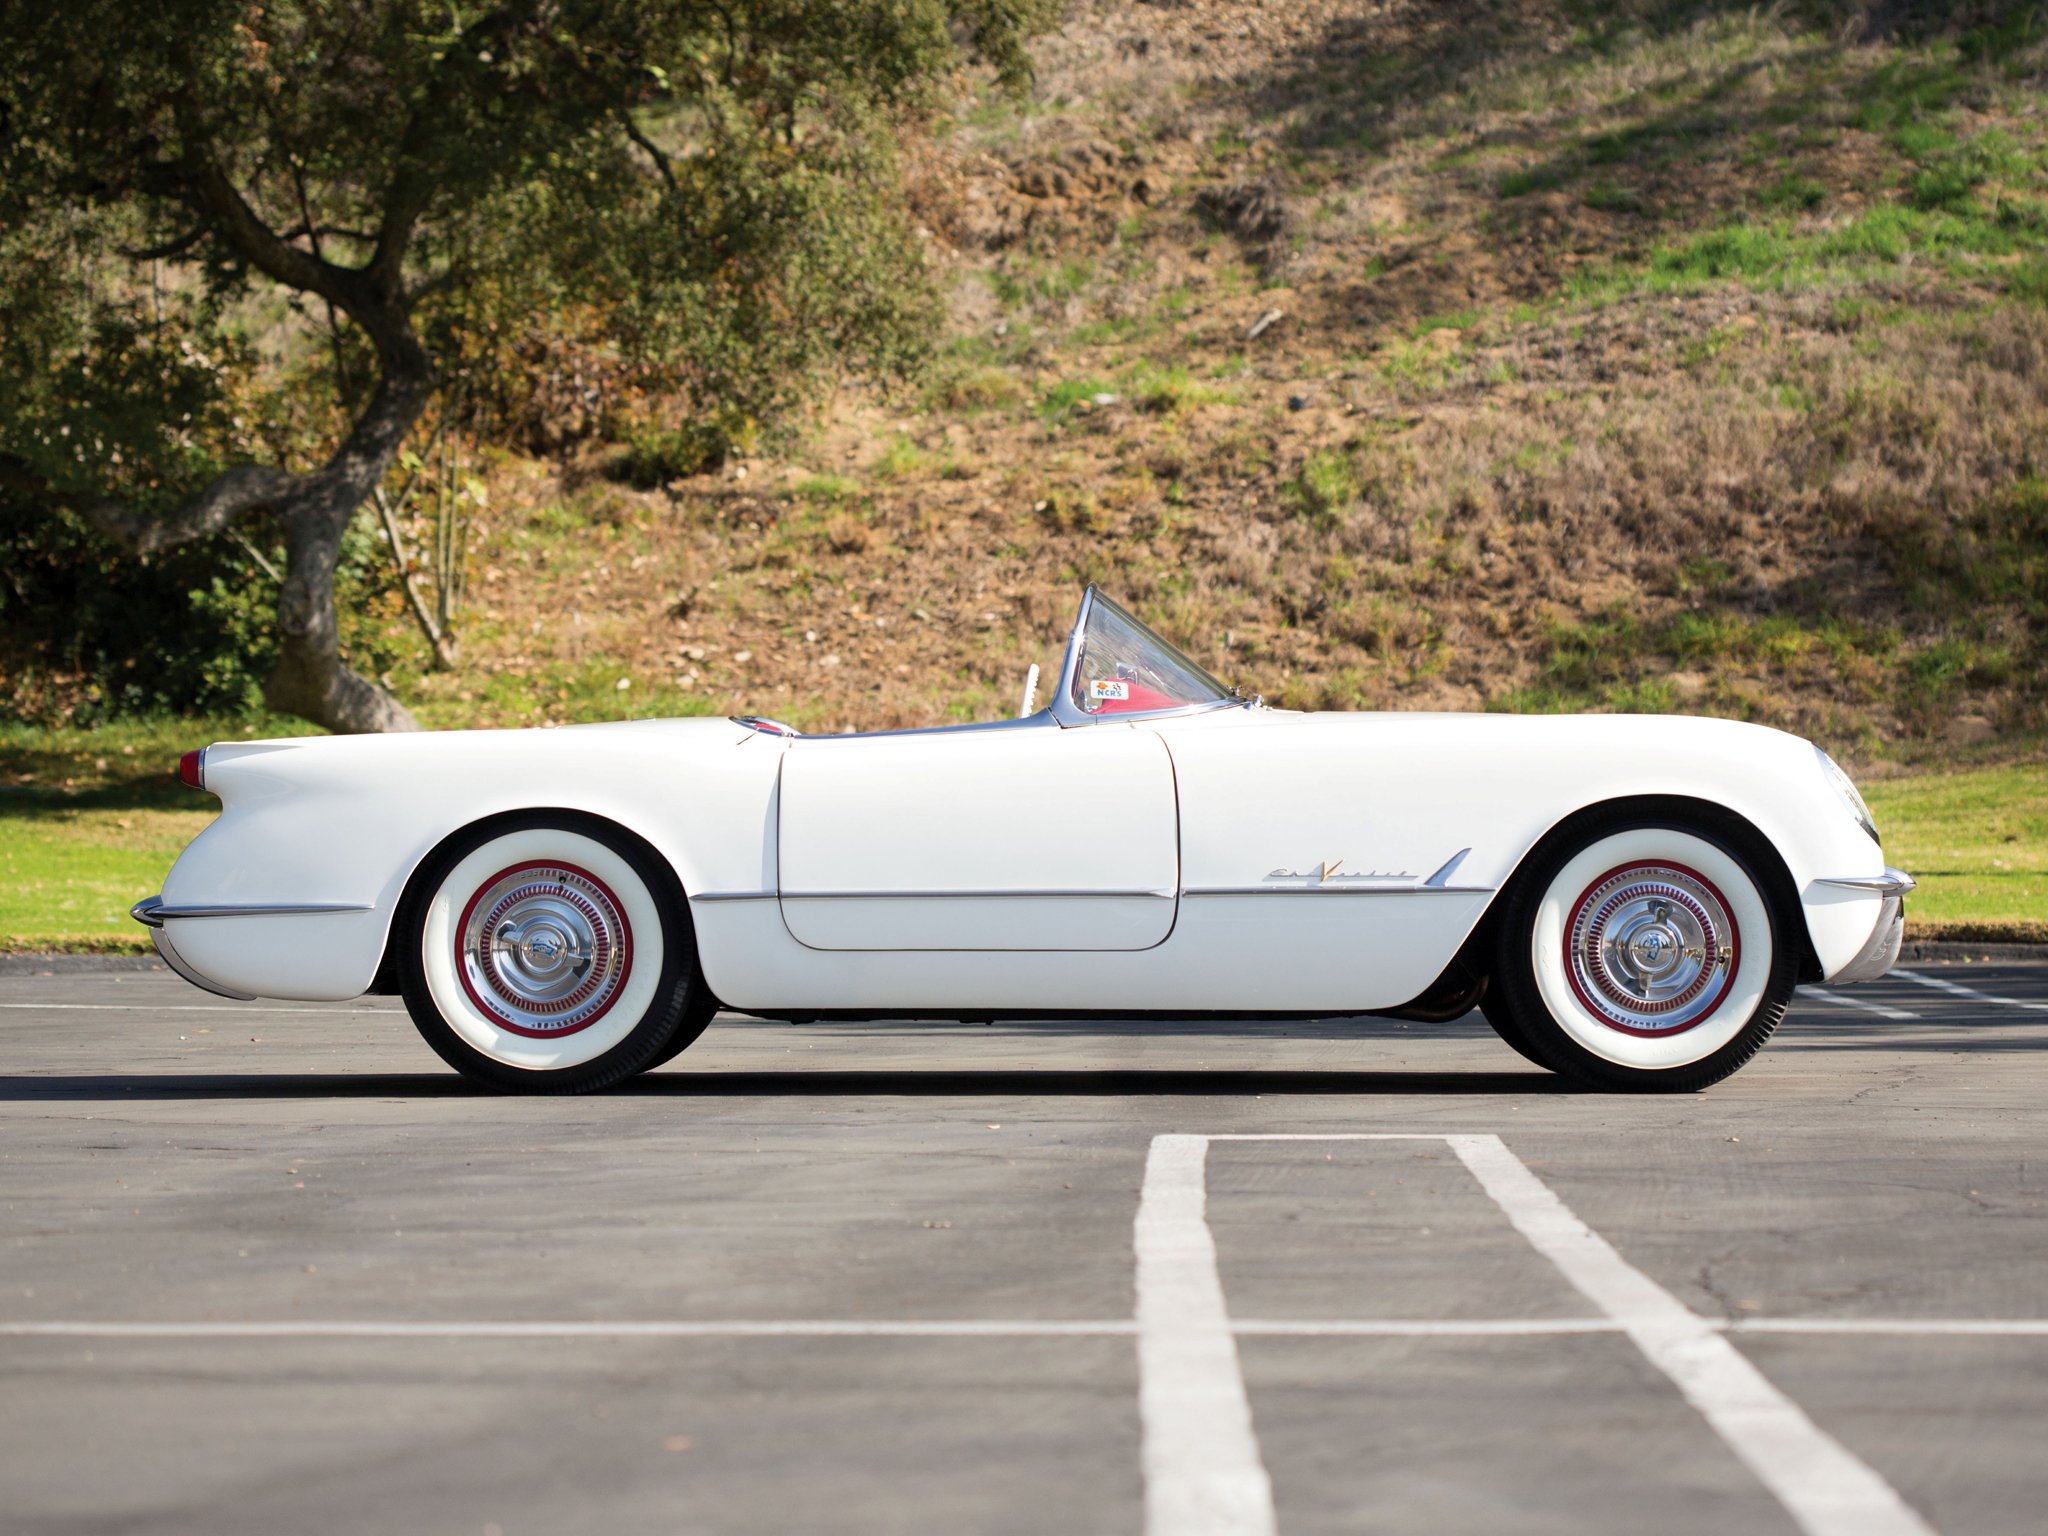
pixel 1005 895
pixel 1322 889
pixel 734 896
pixel 1442 877
pixel 1893 882
pixel 153 912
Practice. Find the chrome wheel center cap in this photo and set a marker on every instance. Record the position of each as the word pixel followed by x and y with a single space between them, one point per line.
pixel 1652 949
pixel 545 949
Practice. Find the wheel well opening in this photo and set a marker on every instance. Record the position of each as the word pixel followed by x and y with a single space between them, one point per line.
pixel 1678 810
pixel 385 983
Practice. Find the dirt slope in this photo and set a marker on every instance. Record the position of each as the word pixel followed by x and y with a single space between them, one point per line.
pixel 1396 355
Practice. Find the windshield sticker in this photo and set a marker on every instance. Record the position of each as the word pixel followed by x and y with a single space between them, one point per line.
pixel 1109 688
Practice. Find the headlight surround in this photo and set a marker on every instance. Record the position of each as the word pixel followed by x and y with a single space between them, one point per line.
pixel 1846 791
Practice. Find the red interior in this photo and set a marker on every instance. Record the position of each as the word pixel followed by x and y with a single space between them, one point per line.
pixel 1141 698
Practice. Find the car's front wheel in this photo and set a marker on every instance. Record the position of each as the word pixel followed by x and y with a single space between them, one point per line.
pixel 1643 955
pixel 548 954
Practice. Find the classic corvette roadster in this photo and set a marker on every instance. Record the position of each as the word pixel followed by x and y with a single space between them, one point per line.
pixel 1629 900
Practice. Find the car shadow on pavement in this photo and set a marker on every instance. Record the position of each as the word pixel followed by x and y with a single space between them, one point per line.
pixel 939 1083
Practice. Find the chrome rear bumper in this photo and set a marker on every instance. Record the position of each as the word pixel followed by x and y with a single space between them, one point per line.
pixel 150 913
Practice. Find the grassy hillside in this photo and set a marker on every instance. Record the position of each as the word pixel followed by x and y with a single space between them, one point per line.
pixel 1405 355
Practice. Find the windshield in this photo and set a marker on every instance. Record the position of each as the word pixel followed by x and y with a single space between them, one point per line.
pixel 1123 668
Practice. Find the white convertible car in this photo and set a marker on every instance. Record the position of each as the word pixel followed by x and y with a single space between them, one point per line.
pixel 1630 900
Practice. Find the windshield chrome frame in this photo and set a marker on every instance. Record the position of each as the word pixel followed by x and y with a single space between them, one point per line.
pixel 1067 714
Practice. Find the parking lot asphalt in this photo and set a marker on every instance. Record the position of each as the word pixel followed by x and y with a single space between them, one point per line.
pixel 270 1267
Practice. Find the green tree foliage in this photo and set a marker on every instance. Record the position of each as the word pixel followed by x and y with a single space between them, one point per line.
pixel 243 249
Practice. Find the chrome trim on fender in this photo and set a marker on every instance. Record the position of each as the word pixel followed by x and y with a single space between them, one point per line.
pixel 1893 882
pixel 1406 889
pixel 151 912
pixel 1441 878
pixel 734 896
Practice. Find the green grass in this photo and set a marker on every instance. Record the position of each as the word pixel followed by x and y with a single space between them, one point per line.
pixel 71 867
pixel 1977 842
pixel 88 828
pixel 90 821
pixel 1068 395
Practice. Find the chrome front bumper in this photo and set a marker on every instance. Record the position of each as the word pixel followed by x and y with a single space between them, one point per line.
pixel 1881 951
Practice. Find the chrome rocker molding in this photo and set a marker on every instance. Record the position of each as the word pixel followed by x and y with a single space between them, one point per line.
pixel 151 911
pixel 1438 883
pixel 1881 950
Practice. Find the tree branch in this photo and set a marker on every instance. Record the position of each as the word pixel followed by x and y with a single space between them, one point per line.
pixel 653 151
pixel 234 494
pixel 269 252
pixel 169 248
pixel 411 191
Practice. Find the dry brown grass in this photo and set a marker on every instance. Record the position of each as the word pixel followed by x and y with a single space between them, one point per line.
pixel 1474 462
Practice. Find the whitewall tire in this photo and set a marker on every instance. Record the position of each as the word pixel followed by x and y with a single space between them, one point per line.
pixel 1644 954
pixel 549 953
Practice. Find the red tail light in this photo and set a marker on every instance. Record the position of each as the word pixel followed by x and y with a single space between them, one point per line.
pixel 192 769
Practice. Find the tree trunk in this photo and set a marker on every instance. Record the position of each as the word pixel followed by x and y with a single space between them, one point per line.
pixel 310 679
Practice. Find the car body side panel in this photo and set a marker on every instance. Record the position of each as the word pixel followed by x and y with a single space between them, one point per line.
pixel 1397 795
pixel 761 968
pixel 1277 810
pixel 347 819
pixel 979 840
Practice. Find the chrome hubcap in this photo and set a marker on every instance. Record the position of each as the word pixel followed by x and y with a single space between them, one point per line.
pixel 1651 949
pixel 545 949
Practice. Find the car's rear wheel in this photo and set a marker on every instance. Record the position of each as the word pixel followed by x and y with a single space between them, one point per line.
pixel 548 954
pixel 1643 955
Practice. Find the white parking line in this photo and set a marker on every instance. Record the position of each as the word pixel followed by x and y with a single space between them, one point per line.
pixel 1419 1327
pixel 1943 984
pixel 1900 1327
pixel 1822 994
pixel 773 1328
pixel 1826 1489
pixel 1203 1475
pixel 1203 1472
pixel 996 1328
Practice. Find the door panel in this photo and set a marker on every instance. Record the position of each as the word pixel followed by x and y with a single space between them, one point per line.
pixel 1034 838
